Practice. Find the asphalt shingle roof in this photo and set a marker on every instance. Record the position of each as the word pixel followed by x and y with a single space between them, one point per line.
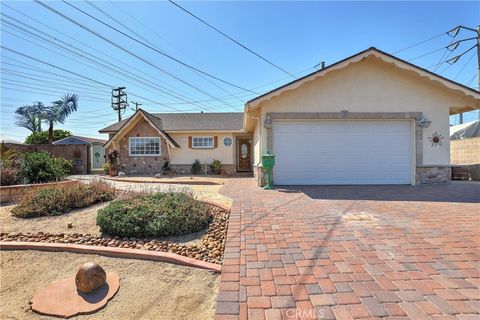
pixel 191 121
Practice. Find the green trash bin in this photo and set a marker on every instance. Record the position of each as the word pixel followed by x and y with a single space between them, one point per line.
pixel 268 161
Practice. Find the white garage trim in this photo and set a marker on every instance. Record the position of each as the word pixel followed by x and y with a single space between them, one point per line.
pixel 344 152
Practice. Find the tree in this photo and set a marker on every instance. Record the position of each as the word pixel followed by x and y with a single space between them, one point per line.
pixel 30 116
pixel 42 137
pixel 59 111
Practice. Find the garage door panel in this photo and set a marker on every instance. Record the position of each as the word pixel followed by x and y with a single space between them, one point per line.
pixel 342 152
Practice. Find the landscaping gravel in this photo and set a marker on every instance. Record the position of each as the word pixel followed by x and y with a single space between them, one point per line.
pixel 210 248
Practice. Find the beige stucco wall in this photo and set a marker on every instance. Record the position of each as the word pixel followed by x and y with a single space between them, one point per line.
pixel 465 151
pixel 185 155
pixel 371 86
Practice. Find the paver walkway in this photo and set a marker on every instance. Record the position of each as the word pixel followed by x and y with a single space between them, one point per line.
pixel 351 252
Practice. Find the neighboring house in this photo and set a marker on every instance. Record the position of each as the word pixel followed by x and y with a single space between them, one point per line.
pixel 369 119
pixel 96 151
pixel 465 143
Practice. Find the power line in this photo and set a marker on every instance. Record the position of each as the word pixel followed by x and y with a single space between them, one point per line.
pixel 126 50
pixel 465 65
pixel 177 96
pixel 231 39
pixel 152 48
pixel 153 45
pixel 91 47
pixel 102 65
pixel 421 42
pixel 426 54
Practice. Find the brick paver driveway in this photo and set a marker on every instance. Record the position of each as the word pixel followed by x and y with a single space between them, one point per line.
pixel 351 252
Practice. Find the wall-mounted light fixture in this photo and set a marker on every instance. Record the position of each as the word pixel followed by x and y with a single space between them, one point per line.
pixel 268 122
pixel 424 122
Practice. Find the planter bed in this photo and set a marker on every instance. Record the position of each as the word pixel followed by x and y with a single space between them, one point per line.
pixel 210 249
pixel 12 193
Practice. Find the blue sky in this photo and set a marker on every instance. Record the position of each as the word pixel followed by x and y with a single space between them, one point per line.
pixel 294 35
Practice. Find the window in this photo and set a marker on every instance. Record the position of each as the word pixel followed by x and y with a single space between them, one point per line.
pixel 202 142
pixel 227 141
pixel 144 146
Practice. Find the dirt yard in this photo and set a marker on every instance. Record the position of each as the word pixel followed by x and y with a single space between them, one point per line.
pixel 84 221
pixel 148 290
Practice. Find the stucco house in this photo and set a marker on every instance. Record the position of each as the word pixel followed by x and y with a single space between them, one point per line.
pixel 371 118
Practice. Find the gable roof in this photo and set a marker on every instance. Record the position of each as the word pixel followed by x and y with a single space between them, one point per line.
pixel 219 121
pixel 87 140
pixel 357 57
pixel 154 122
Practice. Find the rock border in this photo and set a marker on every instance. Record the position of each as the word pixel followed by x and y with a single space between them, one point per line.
pixel 113 252
pixel 207 255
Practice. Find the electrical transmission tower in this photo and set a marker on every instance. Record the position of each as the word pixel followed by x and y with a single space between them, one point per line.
pixel 119 101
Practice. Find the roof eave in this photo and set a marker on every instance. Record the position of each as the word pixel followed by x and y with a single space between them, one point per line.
pixel 255 102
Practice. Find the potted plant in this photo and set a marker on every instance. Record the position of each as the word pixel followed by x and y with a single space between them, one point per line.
pixel 113 162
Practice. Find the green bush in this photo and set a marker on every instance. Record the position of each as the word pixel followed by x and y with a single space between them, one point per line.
pixel 154 215
pixel 196 167
pixel 106 168
pixel 57 201
pixel 40 167
pixel 216 166
pixel 42 136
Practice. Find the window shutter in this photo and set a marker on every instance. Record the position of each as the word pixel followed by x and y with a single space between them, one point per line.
pixel 190 142
pixel 215 141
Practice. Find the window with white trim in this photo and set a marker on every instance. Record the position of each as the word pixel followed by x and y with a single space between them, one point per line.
pixel 144 146
pixel 202 142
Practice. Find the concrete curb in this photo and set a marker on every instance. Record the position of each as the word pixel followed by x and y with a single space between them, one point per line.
pixel 113 252
pixel 183 182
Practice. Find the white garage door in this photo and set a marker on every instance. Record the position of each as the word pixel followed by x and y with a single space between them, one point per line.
pixel 342 152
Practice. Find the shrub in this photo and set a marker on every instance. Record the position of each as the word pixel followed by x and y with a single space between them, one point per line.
pixel 57 201
pixel 106 168
pixel 216 166
pixel 8 176
pixel 154 215
pixel 40 167
pixel 196 167
pixel 42 137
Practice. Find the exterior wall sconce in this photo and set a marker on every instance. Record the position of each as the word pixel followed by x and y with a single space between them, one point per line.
pixel 424 122
pixel 268 122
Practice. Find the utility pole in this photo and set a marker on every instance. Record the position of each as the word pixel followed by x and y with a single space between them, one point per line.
pixel 136 105
pixel 453 33
pixel 119 101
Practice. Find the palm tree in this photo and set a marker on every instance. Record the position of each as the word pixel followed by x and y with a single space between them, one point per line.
pixel 30 116
pixel 59 111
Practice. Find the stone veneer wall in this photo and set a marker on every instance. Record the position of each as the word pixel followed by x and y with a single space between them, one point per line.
pixel 12 193
pixel 432 174
pixel 141 165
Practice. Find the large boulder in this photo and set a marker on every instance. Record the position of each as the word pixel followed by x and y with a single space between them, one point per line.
pixel 90 276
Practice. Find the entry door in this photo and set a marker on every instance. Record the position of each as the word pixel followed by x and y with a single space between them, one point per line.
pixel 97 156
pixel 342 152
pixel 244 155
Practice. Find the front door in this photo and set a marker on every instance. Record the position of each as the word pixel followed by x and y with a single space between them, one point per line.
pixel 243 154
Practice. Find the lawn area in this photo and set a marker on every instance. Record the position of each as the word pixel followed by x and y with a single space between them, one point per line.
pixel 148 290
